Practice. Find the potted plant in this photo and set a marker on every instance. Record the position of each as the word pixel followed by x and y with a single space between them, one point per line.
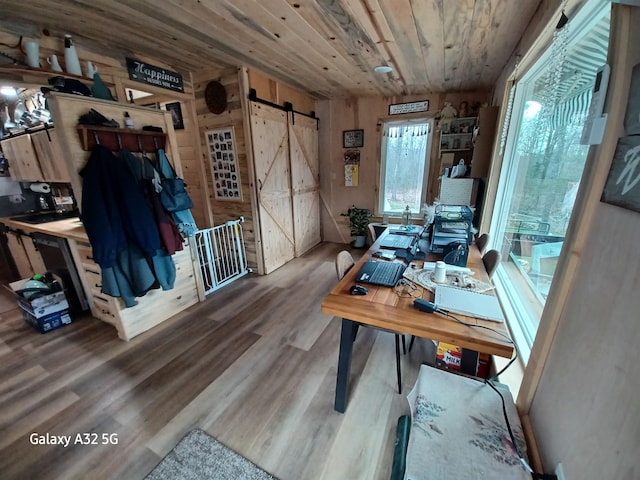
pixel 359 219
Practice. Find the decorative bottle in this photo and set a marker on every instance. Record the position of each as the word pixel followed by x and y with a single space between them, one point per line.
pixel 406 216
pixel 128 121
pixel 71 61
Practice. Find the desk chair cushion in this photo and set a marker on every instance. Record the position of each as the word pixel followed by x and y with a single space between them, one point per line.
pixel 491 260
pixel 458 430
pixel 481 242
pixel 344 261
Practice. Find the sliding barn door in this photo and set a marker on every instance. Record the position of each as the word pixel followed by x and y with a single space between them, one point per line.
pixel 271 159
pixel 305 182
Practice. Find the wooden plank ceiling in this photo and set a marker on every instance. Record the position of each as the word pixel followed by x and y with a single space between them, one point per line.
pixel 326 47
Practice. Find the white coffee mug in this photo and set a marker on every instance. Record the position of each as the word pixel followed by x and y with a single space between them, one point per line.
pixel 32 49
pixel 53 61
pixel 91 70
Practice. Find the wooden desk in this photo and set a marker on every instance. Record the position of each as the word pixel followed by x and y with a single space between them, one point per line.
pixel 382 307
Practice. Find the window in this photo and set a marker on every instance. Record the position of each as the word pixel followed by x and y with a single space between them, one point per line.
pixel 405 165
pixel 543 165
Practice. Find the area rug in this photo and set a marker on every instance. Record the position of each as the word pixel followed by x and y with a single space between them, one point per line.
pixel 199 456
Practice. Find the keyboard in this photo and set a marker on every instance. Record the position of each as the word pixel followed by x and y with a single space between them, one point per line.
pixel 394 240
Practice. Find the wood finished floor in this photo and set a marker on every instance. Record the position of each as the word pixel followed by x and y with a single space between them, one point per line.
pixel 254 366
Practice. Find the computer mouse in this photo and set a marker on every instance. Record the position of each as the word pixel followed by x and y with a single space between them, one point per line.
pixel 358 290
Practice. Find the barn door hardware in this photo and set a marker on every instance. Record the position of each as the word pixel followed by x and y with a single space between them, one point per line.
pixel 287 107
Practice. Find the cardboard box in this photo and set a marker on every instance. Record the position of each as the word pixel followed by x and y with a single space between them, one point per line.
pixel 44 313
pixel 449 356
pixel 48 322
pixel 463 360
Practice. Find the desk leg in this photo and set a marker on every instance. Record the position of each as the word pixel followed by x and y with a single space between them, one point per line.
pixel 344 364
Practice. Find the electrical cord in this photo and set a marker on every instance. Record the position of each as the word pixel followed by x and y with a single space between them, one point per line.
pixel 490 381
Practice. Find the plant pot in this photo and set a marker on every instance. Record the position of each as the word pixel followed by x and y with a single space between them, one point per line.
pixel 359 241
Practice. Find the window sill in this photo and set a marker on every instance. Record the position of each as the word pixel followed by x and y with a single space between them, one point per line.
pixel 512 377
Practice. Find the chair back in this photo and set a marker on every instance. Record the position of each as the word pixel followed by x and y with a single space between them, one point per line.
pixel 491 259
pixel 372 232
pixel 481 242
pixel 344 261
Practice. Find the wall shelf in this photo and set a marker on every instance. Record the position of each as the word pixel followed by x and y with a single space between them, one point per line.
pixel 117 138
pixel 41 76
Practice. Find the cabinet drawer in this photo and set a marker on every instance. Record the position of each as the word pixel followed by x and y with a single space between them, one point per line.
pixel 105 310
pixel 86 254
pixel 94 280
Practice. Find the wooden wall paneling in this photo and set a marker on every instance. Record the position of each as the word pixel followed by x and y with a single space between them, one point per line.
pixel 256 38
pixel 483 147
pixel 305 182
pixel 292 28
pixel 23 162
pixel 271 162
pixel 68 108
pixel 277 92
pixel 16 245
pixel 221 211
pixel 329 227
pixel 367 113
pixel 397 15
pixel 430 29
pixel 244 82
pixel 49 152
pixel 456 38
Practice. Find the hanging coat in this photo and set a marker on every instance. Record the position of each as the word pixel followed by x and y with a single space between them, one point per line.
pixel 183 218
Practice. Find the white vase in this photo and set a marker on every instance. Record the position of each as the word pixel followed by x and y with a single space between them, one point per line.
pixel 71 61
pixel 32 49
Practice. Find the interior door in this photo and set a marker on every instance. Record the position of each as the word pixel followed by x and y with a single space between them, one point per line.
pixel 271 158
pixel 305 182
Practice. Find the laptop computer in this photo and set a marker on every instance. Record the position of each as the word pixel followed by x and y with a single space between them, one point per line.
pixel 386 274
pixel 397 241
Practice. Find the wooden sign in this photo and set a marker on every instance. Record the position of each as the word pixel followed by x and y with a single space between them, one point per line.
pixel 152 75
pixel 623 184
pixel 409 107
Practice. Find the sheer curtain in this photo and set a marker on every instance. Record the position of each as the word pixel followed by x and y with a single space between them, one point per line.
pixel 405 166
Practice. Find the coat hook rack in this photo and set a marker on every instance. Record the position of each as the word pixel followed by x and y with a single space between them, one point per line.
pixel 118 138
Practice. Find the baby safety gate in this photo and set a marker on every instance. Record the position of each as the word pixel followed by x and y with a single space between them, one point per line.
pixel 221 254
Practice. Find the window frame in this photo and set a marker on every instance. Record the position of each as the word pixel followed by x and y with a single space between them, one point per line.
pixel 523 319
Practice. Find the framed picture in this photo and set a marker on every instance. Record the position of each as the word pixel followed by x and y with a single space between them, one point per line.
pixel 224 164
pixel 176 115
pixel 352 138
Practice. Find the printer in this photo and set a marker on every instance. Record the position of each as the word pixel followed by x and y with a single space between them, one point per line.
pixel 451 227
